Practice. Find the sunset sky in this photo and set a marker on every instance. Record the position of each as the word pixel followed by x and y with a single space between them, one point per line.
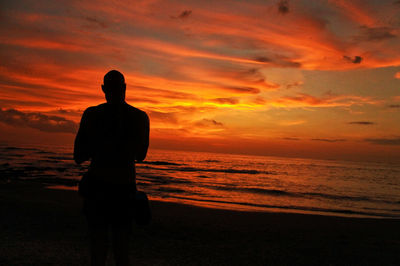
pixel 297 78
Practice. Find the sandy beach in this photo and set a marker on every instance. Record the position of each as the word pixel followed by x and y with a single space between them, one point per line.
pixel 40 226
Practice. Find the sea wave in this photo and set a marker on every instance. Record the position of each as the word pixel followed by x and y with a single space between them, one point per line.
pixel 277 192
pixel 215 170
pixel 162 179
pixel 294 207
pixel 226 170
pixel 62 158
pixel 158 163
pixel 19 148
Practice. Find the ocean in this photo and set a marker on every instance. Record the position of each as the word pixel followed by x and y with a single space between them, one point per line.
pixel 227 181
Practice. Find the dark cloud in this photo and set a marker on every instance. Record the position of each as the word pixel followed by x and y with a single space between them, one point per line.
pixel 384 141
pixel 97 22
pixel 291 138
pixel 253 76
pixel 262 59
pixel 249 90
pixel 165 117
pixel 288 63
pixel 37 120
pixel 394 106
pixel 259 100
pixel 366 123
pixel 283 7
pixel 226 100
pixel 356 60
pixel 67 112
pixel 62 111
pixel 183 15
pixel 208 123
pixel 295 84
pixel 375 34
pixel 278 60
pixel 329 140
pixel 253 71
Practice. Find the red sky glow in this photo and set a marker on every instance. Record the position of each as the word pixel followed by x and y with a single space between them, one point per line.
pixel 294 78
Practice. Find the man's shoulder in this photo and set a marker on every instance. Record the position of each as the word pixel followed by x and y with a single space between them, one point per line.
pixel 100 109
pixel 94 109
pixel 135 110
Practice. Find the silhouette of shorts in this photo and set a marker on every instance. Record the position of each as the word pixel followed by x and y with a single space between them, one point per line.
pixel 109 204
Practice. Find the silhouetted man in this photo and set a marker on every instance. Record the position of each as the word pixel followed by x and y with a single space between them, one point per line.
pixel 113 136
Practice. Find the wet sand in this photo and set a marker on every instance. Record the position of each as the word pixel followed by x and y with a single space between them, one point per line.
pixel 39 226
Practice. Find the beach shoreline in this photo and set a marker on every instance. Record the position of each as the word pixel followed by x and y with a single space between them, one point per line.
pixel 43 226
pixel 239 207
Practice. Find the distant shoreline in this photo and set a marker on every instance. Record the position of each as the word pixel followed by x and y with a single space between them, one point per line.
pixel 151 149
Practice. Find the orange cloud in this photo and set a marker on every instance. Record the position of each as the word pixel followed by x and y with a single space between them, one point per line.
pixel 354 10
pixel 292 122
pixel 226 100
pixel 42 44
pixel 328 100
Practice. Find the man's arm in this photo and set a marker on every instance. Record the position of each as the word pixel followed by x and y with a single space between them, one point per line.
pixel 144 142
pixel 81 146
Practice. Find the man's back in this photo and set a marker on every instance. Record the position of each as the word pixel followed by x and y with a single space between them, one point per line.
pixel 113 136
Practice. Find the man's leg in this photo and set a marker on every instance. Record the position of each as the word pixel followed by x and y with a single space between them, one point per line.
pixel 98 232
pixel 98 243
pixel 121 237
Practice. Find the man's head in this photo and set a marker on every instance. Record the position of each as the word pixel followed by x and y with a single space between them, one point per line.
pixel 114 87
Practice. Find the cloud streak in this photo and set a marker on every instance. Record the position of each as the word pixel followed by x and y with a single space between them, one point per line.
pixel 185 14
pixel 327 100
pixel 363 123
pixel 283 7
pixel 208 123
pixel 375 34
pixel 226 100
pixel 356 60
pixel 38 121
pixel 328 140
pixel 384 141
